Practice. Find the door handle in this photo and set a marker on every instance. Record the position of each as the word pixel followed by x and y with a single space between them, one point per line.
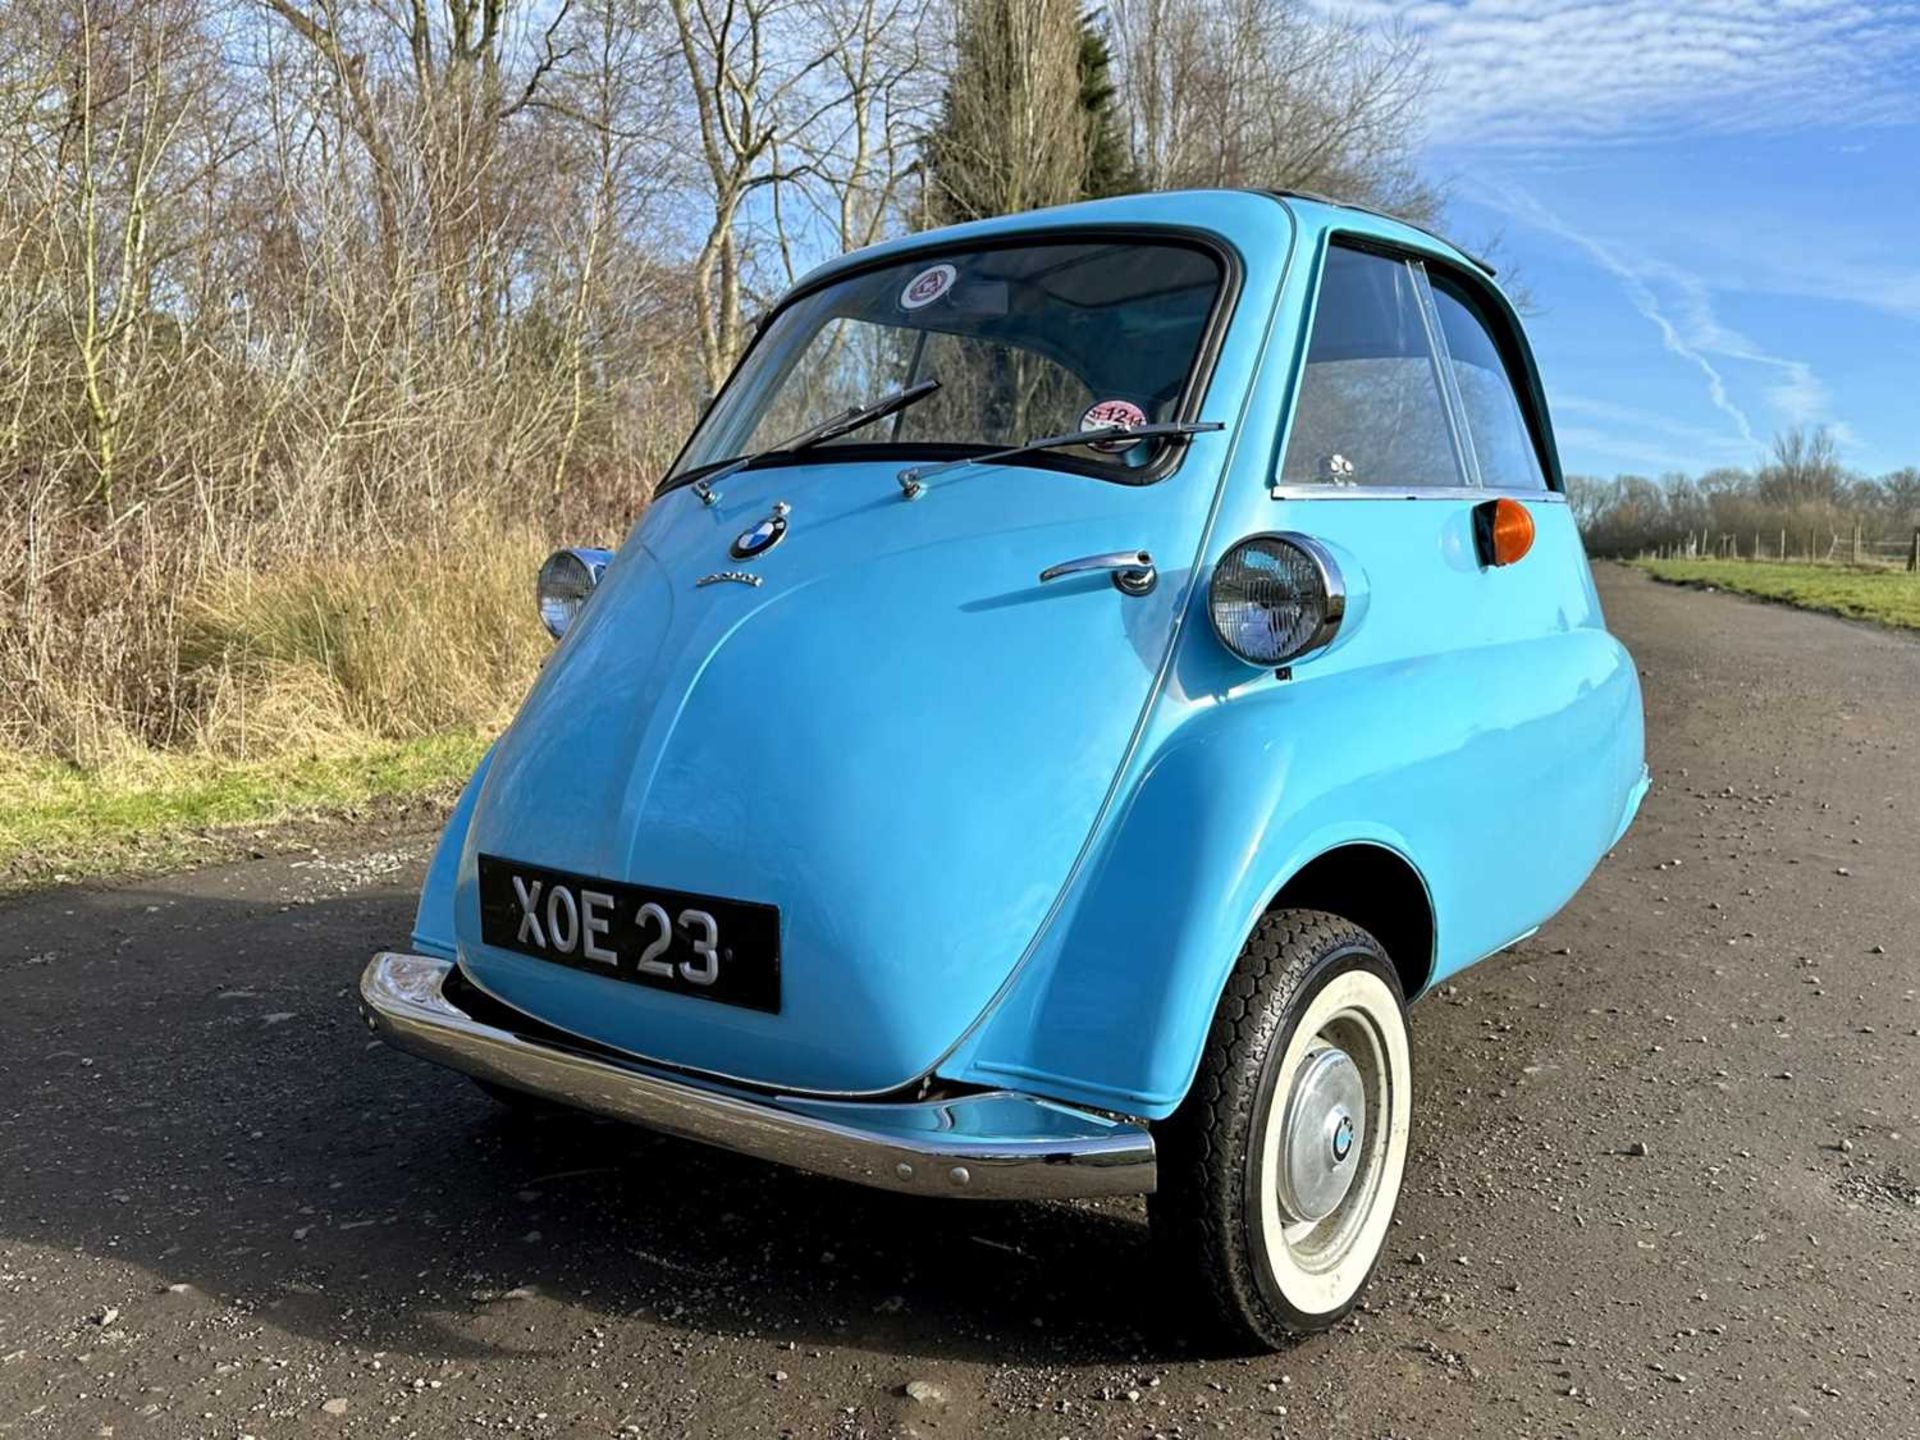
pixel 1132 570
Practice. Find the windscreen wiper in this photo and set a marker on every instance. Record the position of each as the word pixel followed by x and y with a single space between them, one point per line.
pixel 845 423
pixel 912 479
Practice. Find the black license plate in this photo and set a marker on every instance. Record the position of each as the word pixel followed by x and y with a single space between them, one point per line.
pixel 700 945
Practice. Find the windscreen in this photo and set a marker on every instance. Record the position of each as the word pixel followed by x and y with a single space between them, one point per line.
pixel 1025 341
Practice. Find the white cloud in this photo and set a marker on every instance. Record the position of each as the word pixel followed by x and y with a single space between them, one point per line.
pixel 1637 282
pixel 1859 257
pixel 1532 72
pixel 1798 396
pixel 1679 305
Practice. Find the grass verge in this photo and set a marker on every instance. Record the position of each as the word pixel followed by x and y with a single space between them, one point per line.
pixel 1887 597
pixel 156 812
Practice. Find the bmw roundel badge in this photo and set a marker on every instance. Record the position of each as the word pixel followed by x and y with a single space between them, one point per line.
pixel 762 537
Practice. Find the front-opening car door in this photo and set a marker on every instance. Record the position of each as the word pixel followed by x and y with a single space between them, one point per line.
pixel 812 705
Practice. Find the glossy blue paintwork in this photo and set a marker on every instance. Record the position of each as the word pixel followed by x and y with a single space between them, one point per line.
pixel 433 930
pixel 1496 760
pixel 1017 834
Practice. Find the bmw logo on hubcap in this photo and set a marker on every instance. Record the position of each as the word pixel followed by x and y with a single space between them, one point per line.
pixel 1343 1139
pixel 761 538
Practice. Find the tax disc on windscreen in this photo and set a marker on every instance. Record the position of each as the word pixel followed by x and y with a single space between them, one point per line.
pixel 1108 413
pixel 928 286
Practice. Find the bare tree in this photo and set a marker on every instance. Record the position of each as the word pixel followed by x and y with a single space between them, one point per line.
pixel 1801 503
pixel 427 90
pixel 859 154
pixel 726 46
pixel 1011 134
pixel 1803 467
pixel 1272 93
pixel 1903 493
pixel 294 291
pixel 805 103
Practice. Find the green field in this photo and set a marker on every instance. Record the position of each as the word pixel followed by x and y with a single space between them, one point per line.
pixel 157 812
pixel 1887 597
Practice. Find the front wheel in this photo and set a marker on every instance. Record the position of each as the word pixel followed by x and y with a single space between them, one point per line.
pixel 1280 1172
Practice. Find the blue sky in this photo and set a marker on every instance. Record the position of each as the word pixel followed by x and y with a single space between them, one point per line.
pixel 1715 204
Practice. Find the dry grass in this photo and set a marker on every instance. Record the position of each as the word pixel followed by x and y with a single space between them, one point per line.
pixel 151 700
pixel 157 650
pixel 398 646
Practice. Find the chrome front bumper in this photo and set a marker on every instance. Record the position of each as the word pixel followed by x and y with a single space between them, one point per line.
pixel 992 1146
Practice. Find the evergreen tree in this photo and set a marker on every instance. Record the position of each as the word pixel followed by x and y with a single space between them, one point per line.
pixel 1109 168
pixel 1030 114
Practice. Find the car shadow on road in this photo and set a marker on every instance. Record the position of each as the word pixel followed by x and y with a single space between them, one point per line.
pixel 189 1090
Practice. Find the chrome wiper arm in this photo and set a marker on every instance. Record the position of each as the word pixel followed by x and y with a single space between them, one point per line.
pixel 860 416
pixel 912 479
pixel 844 423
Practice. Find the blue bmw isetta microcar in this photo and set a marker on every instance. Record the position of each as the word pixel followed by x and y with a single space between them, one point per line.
pixel 1084 675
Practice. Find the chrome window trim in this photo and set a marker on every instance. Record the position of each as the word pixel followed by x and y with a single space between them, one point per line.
pixel 1465 458
pixel 1411 492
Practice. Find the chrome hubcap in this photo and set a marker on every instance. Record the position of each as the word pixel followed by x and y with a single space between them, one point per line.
pixel 1325 1135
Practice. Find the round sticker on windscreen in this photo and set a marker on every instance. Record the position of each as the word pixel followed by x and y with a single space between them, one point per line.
pixel 1107 413
pixel 928 286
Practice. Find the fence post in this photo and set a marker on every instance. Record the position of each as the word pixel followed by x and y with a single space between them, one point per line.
pixel 1913 555
pixel 1783 543
pixel 1856 542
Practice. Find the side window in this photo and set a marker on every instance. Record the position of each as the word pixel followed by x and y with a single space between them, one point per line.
pixel 1502 444
pixel 1370 409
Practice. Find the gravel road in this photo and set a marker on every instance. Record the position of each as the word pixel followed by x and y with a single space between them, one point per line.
pixel 1665 1180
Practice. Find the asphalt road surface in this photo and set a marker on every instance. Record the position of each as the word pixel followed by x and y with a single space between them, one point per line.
pixel 1665 1176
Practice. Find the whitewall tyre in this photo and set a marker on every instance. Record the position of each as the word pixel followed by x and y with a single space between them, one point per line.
pixel 1280 1172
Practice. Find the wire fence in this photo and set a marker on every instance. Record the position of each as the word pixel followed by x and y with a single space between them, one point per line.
pixel 1813 547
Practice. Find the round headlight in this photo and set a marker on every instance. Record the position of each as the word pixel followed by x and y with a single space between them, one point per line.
pixel 1275 598
pixel 566 580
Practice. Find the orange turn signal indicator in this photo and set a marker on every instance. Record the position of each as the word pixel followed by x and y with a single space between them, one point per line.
pixel 1502 531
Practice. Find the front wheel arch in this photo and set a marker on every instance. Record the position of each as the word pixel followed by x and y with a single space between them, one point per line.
pixel 1378 889
pixel 1067 1030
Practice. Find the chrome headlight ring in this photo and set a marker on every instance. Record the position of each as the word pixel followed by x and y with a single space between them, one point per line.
pixel 565 582
pixel 1275 598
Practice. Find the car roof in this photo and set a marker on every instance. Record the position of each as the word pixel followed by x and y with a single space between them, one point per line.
pixel 1353 210
pixel 1234 215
